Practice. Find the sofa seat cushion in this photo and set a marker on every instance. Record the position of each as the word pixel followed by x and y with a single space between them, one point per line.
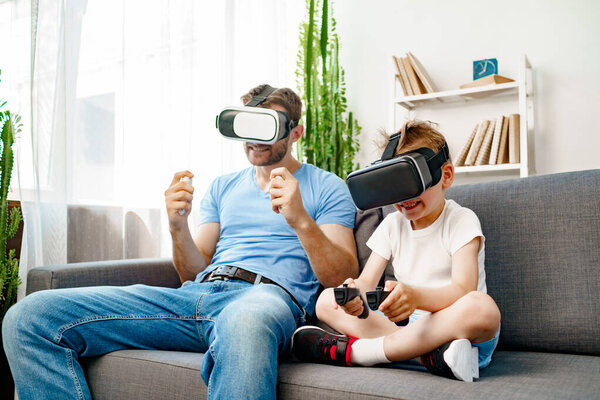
pixel 142 374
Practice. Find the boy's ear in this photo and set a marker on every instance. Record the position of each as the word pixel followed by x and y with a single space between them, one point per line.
pixel 447 175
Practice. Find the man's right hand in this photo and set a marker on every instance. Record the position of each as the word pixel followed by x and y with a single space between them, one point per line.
pixel 179 196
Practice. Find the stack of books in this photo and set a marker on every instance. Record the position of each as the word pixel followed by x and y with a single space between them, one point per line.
pixel 495 141
pixel 412 76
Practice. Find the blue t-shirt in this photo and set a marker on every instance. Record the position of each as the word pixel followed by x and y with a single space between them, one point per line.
pixel 257 239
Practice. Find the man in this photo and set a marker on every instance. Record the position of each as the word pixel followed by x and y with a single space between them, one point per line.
pixel 268 235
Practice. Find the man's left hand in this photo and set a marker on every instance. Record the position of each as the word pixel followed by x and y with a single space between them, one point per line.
pixel 286 198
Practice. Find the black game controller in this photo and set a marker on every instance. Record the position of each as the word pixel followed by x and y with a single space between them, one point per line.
pixel 344 294
pixel 374 299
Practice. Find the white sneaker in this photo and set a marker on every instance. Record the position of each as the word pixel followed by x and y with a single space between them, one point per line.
pixel 456 360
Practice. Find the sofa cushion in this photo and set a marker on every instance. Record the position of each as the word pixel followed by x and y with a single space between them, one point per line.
pixel 542 258
pixel 142 374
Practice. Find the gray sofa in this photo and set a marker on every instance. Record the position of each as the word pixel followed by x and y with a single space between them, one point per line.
pixel 543 270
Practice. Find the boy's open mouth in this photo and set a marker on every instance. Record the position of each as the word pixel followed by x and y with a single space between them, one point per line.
pixel 409 205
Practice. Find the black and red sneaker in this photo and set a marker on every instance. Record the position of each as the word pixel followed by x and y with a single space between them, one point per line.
pixel 313 344
pixel 454 360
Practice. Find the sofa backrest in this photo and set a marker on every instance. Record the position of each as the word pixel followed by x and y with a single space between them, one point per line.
pixel 542 257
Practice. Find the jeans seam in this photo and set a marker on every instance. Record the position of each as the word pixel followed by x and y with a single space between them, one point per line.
pixel 111 317
pixel 74 374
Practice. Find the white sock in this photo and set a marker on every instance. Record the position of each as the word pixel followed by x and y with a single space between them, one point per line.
pixel 367 352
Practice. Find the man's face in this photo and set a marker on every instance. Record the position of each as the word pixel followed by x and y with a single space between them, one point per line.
pixel 263 155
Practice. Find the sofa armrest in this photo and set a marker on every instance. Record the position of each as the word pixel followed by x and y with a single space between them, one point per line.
pixel 148 271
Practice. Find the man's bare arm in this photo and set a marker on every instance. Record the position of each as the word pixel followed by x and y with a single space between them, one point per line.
pixel 190 256
pixel 331 252
pixel 330 248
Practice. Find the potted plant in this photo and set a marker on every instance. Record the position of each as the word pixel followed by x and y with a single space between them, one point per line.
pixel 330 138
pixel 10 221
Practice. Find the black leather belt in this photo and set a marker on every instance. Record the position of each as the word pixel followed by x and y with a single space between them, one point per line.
pixel 230 272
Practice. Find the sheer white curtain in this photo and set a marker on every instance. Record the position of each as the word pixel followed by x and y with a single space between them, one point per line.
pixel 124 93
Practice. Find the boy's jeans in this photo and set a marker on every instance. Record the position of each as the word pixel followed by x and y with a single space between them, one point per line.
pixel 242 328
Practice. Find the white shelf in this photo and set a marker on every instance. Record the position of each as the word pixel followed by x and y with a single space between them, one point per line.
pixel 429 106
pixel 487 168
pixel 410 102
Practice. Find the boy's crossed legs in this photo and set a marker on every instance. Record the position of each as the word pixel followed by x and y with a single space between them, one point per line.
pixel 448 333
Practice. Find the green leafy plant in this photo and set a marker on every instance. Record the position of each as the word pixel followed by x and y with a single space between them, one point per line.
pixel 10 126
pixel 330 139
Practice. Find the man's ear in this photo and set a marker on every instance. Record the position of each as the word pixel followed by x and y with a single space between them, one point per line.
pixel 447 175
pixel 296 133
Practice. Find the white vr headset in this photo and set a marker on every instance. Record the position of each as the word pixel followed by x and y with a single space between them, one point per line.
pixel 255 124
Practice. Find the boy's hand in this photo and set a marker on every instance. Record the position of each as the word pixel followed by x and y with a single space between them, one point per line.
pixel 401 302
pixel 353 307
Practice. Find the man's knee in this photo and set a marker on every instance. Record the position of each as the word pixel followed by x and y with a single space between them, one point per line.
pixel 26 317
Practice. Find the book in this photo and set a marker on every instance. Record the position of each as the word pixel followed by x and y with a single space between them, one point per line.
pixel 462 156
pixel 484 151
pixel 496 139
pixel 514 138
pixel 421 74
pixel 399 76
pixel 404 76
pixel 479 136
pixel 503 146
pixel 487 80
pixel 415 83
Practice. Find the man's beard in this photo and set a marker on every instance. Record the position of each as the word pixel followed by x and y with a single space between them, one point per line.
pixel 278 152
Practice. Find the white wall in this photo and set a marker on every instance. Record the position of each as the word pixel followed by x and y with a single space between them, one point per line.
pixel 560 38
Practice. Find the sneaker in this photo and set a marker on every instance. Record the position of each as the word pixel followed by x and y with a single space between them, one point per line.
pixel 455 360
pixel 313 344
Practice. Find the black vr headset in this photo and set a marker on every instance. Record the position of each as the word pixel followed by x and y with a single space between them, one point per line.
pixel 255 124
pixel 396 179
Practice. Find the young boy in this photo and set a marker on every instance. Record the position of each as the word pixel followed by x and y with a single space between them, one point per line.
pixel 437 250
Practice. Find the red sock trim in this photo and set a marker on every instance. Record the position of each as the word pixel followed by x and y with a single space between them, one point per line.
pixel 349 349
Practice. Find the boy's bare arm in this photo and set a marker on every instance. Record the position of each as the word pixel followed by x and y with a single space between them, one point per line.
pixel 405 299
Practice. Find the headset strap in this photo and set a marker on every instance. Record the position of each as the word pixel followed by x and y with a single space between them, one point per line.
pixel 439 159
pixel 390 149
pixel 261 97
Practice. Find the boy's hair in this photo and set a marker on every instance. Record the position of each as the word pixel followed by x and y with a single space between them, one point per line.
pixel 283 97
pixel 416 134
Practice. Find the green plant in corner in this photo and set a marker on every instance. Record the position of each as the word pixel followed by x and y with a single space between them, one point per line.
pixel 330 140
pixel 10 126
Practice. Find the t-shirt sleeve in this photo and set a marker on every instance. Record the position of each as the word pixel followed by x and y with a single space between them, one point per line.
pixel 464 228
pixel 380 242
pixel 336 205
pixel 209 206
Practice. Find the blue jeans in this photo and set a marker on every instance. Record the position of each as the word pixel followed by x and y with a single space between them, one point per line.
pixel 242 329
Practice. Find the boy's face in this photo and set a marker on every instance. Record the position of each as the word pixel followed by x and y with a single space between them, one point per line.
pixel 425 209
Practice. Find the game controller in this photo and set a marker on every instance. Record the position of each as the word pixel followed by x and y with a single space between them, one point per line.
pixel 181 211
pixel 344 294
pixel 376 297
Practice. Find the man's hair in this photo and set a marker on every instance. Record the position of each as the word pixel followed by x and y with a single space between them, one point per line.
pixel 416 134
pixel 283 97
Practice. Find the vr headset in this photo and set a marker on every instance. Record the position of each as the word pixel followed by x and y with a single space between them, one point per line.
pixel 396 179
pixel 255 124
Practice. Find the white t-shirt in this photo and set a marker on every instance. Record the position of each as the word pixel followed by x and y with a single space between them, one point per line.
pixel 423 257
